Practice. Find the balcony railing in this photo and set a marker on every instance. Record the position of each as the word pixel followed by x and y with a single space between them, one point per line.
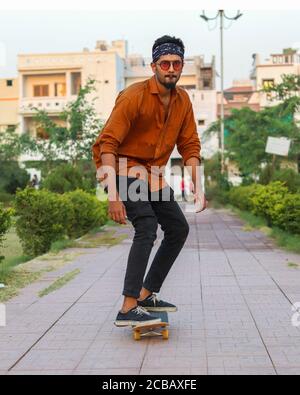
pixel 48 104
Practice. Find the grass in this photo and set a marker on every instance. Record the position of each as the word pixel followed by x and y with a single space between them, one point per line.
pixel 59 283
pixel 15 280
pixel 98 239
pixel 59 245
pixel 12 247
pixel 293 265
pixel 12 250
pixel 287 241
pixel 18 270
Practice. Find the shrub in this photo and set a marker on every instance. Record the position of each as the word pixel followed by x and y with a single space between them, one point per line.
pixel 87 213
pixel 273 202
pixel 42 218
pixel 12 177
pixel 88 172
pixel 5 222
pixel 288 217
pixel 289 178
pixel 241 197
pixel 268 201
pixel 64 178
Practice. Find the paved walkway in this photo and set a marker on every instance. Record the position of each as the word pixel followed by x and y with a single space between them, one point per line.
pixel 234 291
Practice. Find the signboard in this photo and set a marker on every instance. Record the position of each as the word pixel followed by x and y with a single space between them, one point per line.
pixel 278 146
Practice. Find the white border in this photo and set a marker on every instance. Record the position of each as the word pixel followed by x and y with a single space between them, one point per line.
pixel 174 5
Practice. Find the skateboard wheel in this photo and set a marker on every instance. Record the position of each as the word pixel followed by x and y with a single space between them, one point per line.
pixel 137 335
pixel 165 334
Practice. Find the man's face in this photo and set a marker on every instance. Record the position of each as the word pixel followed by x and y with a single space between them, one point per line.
pixel 168 78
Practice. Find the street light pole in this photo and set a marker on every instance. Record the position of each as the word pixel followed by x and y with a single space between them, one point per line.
pixel 221 14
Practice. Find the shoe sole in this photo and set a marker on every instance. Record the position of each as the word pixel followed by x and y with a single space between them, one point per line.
pixel 137 323
pixel 166 309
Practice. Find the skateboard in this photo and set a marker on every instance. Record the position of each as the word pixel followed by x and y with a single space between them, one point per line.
pixel 159 329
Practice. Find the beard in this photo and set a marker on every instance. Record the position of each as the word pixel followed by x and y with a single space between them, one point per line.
pixel 168 85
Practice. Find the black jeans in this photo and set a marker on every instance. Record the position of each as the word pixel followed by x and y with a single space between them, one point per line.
pixel 145 213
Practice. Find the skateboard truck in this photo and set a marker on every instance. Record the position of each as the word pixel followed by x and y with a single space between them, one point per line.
pixel 159 329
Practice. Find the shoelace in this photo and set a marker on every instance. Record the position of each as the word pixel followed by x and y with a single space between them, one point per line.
pixel 141 311
pixel 155 299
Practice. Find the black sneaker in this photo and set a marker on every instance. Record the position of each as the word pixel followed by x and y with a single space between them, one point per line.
pixel 136 317
pixel 153 303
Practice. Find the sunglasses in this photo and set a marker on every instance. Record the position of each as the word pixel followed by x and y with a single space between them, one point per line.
pixel 166 64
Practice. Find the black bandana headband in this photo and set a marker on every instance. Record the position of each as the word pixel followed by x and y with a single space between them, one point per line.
pixel 167 49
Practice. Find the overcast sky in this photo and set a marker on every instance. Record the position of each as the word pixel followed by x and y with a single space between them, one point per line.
pixel 261 32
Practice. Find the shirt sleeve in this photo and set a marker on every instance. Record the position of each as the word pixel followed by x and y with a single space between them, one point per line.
pixel 115 129
pixel 188 142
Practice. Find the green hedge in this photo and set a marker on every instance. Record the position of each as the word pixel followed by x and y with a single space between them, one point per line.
pixel 241 197
pixel 44 217
pixel 67 178
pixel 268 201
pixel 273 202
pixel 87 213
pixel 63 178
pixel 5 222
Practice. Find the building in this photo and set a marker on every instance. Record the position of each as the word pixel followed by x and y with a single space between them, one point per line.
pixel 241 94
pixel 9 95
pixel 49 81
pixel 269 72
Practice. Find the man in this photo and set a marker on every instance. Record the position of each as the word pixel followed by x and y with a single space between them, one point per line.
pixel 149 118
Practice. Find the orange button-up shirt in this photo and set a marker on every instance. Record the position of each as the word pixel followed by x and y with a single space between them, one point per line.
pixel 139 133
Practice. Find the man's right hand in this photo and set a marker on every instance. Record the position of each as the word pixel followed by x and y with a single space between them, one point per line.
pixel 117 211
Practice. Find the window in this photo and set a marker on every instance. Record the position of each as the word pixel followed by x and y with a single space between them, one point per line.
pixel 206 83
pixel 267 83
pixel 201 122
pixel 40 90
pixel 9 82
pixel 60 89
pixel 41 134
pixel 75 83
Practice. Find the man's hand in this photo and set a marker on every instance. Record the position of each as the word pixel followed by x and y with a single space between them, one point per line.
pixel 200 202
pixel 117 211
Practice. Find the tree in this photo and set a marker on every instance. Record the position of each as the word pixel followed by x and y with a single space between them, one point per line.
pixel 289 92
pixel 247 132
pixel 289 88
pixel 12 145
pixel 72 142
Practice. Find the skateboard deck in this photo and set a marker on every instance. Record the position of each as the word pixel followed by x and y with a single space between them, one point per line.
pixel 159 329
